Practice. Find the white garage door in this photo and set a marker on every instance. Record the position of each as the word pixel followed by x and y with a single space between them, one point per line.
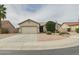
pixel 29 30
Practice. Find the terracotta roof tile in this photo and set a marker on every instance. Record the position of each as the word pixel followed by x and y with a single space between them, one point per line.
pixel 71 23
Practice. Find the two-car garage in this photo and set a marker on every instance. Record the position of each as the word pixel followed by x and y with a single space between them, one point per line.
pixel 29 27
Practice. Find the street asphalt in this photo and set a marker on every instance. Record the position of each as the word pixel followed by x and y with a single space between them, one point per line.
pixel 64 51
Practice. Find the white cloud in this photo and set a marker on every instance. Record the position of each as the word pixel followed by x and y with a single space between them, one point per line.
pixel 61 13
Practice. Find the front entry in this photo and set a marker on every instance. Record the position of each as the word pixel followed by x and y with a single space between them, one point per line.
pixel 41 29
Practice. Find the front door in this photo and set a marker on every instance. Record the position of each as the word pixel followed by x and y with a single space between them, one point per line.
pixel 41 29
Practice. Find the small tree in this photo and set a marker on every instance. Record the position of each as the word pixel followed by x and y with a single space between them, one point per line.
pixel 2 15
pixel 50 26
pixel 77 30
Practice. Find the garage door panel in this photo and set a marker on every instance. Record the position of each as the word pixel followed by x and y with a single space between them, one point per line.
pixel 29 30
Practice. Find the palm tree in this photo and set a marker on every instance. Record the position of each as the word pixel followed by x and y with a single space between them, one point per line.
pixel 2 15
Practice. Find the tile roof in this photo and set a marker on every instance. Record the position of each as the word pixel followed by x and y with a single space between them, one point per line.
pixel 71 23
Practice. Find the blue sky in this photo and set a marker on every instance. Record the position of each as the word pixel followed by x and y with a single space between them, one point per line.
pixel 17 13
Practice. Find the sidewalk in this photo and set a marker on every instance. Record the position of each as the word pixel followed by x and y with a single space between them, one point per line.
pixel 73 40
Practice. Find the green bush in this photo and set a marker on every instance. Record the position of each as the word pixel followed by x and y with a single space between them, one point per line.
pixel 50 26
pixel 4 30
pixel 77 30
pixel 49 32
pixel 61 33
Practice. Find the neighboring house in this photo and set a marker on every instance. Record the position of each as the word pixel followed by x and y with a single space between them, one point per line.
pixel 30 26
pixel 7 25
pixel 69 26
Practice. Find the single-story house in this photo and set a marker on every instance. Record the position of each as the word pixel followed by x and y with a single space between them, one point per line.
pixel 31 26
pixel 7 25
pixel 69 26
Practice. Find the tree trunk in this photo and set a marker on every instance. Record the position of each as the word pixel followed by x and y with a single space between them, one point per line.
pixel 0 26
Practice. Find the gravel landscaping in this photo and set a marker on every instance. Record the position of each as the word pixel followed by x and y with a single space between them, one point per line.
pixel 45 37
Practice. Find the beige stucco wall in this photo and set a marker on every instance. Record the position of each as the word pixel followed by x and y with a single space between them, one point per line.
pixel 44 28
pixel 20 30
pixel 63 28
pixel 29 24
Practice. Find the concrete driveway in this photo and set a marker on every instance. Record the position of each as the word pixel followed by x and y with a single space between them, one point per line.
pixel 17 41
pixel 20 38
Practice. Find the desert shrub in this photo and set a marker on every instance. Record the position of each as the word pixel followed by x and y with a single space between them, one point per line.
pixel 77 30
pixel 4 30
pixel 68 29
pixel 49 32
pixel 62 33
pixel 57 31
